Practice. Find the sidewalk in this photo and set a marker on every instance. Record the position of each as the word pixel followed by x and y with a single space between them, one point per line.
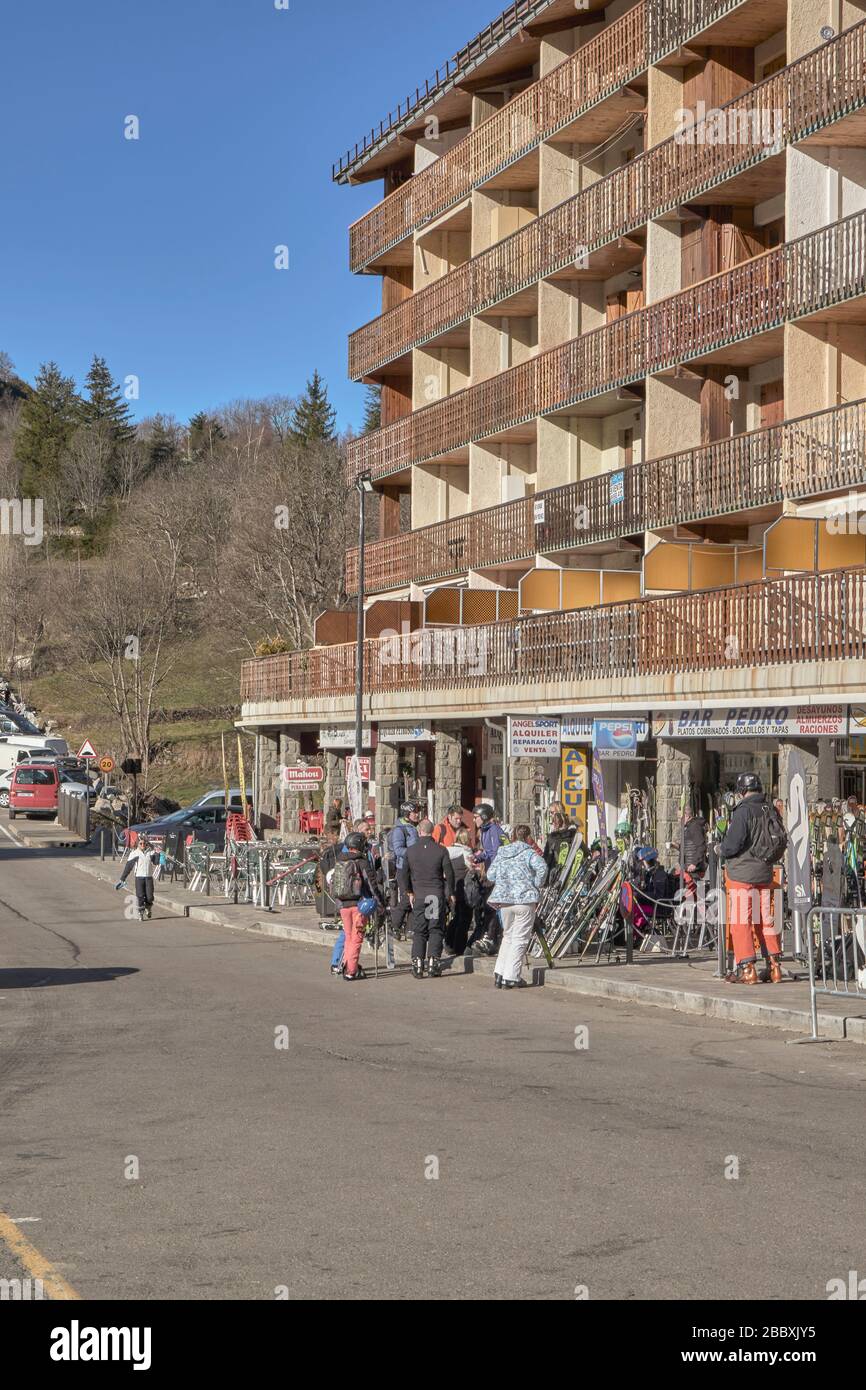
pixel 40 834
pixel 683 986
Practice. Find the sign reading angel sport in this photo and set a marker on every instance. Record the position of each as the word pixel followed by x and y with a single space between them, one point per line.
pixel 807 721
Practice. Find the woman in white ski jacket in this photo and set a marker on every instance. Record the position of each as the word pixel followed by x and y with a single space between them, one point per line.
pixel 142 860
pixel 517 874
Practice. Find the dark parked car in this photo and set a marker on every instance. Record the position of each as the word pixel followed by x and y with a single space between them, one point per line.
pixel 206 823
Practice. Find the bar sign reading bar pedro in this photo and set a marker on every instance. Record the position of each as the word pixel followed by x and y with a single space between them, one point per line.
pixel 807 721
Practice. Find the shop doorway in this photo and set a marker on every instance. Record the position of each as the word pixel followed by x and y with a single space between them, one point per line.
pixel 471 762
pixel 852 782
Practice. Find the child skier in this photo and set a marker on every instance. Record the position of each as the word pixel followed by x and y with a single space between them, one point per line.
pixel 143 859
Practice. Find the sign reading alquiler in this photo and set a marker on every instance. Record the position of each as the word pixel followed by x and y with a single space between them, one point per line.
pixel 534 738
pixel 755 721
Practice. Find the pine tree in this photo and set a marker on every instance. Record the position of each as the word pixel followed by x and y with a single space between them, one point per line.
pixel 314 417
pixel 204 435
pixel 105 403
pixel 49 418
pixel 162 443
pixel 372 409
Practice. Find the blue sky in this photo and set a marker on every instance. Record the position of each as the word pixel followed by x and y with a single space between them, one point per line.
pixel 158 254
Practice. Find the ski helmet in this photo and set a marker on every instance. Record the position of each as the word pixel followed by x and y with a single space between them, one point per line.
pixel 484 813
pixel 749 782
pixel 409 808
pixel 367 906
pixel 355 842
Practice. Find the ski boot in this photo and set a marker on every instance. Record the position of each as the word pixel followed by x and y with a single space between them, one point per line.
pixel 142 912
pixel 434 967
pixel 745 974
pixel 515 984
pixel 360 974
pixel 773 973
pixel 149 914
pixel 498 981
pixel 337 969
pixel 417 968
pixel 485 946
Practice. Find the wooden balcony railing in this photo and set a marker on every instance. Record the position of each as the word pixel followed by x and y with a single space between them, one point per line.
pixel 803 458
pixel 804 618
pixel 612 58
pixel 607 62
pixel 813 92
pixel 798 278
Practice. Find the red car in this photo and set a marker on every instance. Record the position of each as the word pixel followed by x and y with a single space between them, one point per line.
pixel 34 790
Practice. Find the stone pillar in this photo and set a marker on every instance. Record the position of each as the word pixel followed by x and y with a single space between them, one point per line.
pixel 290 751
pixel 679 763
pixel 447 769
pixel 335 777
pixel 521 791
pixel 808 750
pixel 269 762
pixel 387 775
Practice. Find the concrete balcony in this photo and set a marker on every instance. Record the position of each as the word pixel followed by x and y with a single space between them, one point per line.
pixel 750 474
pixel 826 88
pixel 803 634
pixel 730 317
pixel 596 73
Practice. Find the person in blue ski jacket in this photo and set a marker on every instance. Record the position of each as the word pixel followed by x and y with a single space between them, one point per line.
pixel 404 834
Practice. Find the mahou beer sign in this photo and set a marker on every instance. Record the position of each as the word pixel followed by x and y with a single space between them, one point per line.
pixel 301 778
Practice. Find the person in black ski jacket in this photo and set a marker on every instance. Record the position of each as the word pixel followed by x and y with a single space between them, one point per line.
pixel 749 884
pixel 427 879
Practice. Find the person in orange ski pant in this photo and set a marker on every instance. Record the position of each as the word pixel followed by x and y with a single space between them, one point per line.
pixel 355 926
pixel 751 919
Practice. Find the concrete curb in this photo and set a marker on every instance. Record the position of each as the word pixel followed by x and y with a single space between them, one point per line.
pixel 585 981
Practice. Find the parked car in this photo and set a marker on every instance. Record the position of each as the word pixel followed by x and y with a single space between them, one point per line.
pixel 34 790
pixel 5 784
pixel 207 823
pixel 76 784
pixel 14 749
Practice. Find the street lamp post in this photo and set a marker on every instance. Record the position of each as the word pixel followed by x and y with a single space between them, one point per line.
pixel 364 486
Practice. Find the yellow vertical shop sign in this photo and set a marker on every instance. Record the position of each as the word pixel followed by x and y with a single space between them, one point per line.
pixel 575 786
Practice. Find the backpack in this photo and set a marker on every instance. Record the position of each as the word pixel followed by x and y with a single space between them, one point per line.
pixel 347 883
pixel 769 837
pixel 473 893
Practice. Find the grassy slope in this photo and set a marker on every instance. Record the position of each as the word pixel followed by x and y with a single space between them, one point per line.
pixel 204 675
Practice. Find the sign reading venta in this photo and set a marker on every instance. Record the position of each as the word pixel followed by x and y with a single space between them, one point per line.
pixel 301 778
pixel 812 721
pixel 534 738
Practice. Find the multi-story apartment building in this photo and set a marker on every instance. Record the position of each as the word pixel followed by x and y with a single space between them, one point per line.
pixel 621 347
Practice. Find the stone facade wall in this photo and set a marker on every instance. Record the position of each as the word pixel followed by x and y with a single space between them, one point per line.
pixel 269 762
pixel 387 775
pixel 448 769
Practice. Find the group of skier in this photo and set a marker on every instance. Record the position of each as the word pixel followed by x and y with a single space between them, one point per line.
pixel 459 885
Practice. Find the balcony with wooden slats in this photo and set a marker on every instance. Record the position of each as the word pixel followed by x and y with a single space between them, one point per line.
pixel 735 317
pixel 731 638
pixel 750 474
pixel 582 98
pixel 819 98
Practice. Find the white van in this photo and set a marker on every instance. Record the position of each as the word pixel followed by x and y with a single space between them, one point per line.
pixel 14 746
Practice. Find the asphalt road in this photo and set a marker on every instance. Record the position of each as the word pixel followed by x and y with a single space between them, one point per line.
pixel 150 1049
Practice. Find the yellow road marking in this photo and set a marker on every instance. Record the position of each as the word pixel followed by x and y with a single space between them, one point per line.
pixel 53 1284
